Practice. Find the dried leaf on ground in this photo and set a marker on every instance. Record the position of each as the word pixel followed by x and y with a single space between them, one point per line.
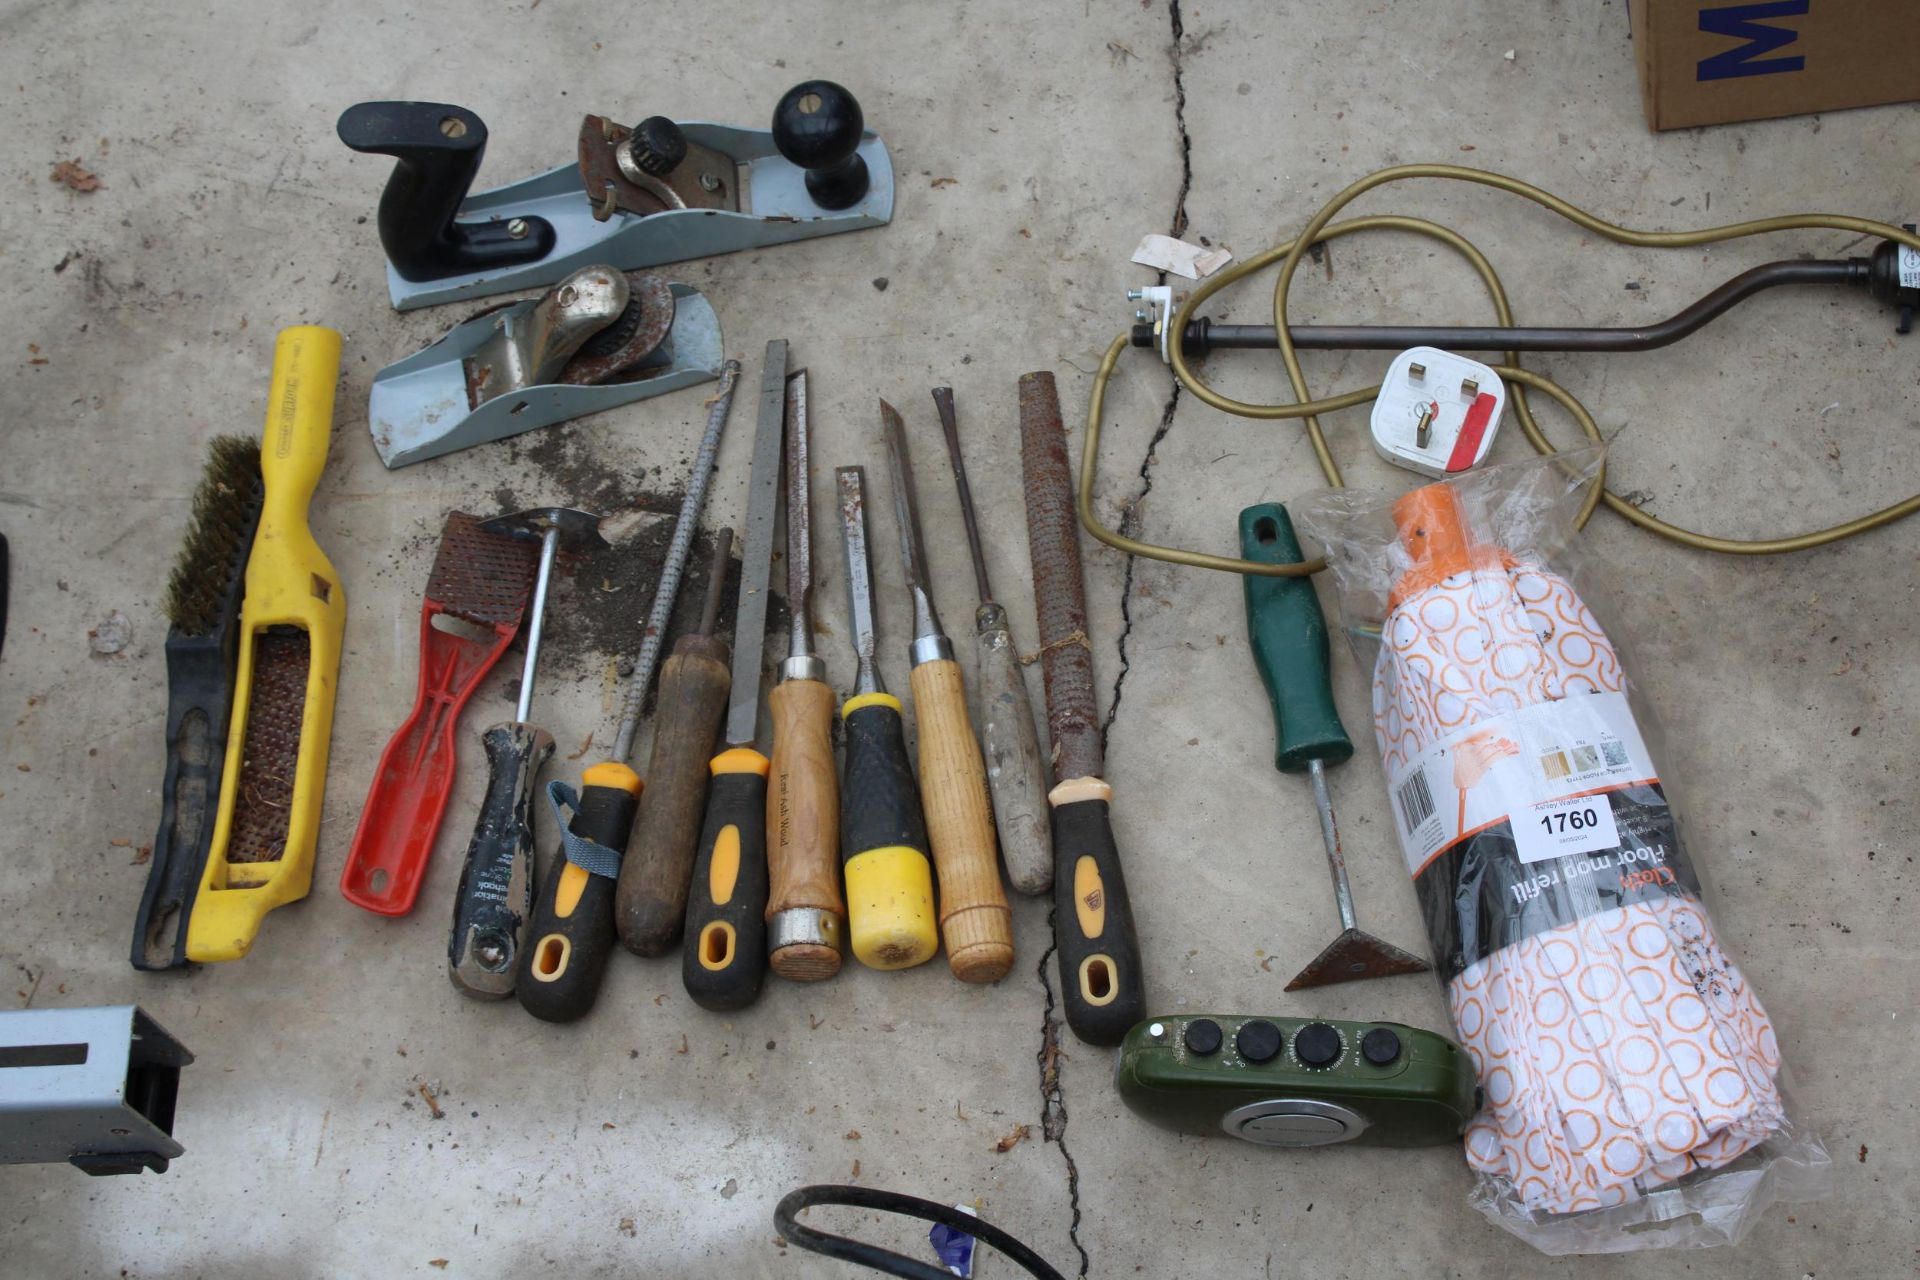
pixel 1012 1140
pixel 74 175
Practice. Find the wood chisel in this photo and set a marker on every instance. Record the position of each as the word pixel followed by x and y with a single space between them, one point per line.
pixel 725 960
pixel 974 919
pixel 891 922
pixel 495 898
pixel 650 905
pixel 805 914
pixel 203 607
pixel 476 596
pixel 1101 986
pixel 1015 773
pixel 572 930
pixel 1289 638
pixel 292 621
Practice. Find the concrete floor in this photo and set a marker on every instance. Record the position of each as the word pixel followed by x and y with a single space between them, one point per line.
pixel 1033 146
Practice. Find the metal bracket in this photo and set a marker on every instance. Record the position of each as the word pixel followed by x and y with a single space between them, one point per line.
pixel 775 208
pixel 422 407
pixel 94 1087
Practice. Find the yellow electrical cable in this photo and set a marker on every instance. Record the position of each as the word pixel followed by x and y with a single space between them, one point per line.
pixel 1322 228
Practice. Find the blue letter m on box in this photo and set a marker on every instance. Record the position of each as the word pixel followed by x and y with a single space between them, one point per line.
pixel 1746 22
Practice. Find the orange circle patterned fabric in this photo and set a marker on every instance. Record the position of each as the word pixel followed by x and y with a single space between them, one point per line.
pixel 1622 1050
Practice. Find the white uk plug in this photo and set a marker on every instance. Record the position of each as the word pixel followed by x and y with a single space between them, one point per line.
pixel 1437 413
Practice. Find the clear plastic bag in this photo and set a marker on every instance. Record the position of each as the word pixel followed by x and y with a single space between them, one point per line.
pixel 1633 1093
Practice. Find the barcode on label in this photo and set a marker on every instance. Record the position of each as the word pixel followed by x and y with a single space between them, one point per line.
pixel 1416 801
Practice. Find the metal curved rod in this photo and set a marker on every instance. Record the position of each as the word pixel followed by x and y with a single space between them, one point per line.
pixel 1203 335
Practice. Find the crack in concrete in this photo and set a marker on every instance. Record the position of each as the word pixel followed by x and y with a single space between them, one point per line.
pixel 1053 1100
pixel 1129 514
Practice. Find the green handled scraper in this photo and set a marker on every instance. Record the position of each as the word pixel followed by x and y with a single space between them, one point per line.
pixel 1289 637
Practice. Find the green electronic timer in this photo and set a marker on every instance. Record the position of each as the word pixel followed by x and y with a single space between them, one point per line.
pixel 1285 1082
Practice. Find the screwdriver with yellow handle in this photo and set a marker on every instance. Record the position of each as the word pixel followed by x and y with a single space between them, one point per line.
pixel 724 962
pixel 974 918
pixel 805 913
pixel 293 618
pixel 883 833
pixel 572 929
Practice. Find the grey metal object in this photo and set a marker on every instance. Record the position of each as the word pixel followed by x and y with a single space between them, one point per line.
pixel 558 529
pixel 681 543
pixel 756 560
pixel 851 482
pixel 422 407
pixel 1294 1122
pixel 94 1087
pixel 531 345
pixel 930 643
pixel 774 209
pixel 1355 954
pixel 802 926
pixel 802 663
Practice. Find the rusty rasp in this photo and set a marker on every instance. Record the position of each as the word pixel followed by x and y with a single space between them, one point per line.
pixel 1101 984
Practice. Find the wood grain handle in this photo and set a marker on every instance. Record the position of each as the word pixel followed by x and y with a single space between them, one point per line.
pixel 974 919
pixel 803 803
pixel 1016 772
pixel 651 905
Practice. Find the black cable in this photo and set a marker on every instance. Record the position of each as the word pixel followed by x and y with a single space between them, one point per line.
pixel 885 1260
pixel 1204 336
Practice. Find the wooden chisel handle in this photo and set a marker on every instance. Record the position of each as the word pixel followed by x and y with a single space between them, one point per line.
pixel 1016 773
pixel 806 915
pixel 974 918
pixel 650 907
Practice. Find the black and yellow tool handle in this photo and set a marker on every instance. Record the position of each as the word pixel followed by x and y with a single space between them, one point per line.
pixel 883 841
pixel 974 917
pixel 1016 771
pixel 1101 990
pixel 725 958
pixel 803 833
pixel 571 932
pixel 651 906
pixel 495 899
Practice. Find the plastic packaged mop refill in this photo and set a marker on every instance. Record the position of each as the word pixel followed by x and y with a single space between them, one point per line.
pixel 1633 1094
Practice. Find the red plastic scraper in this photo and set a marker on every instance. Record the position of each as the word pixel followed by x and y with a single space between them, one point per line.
pixel 476 595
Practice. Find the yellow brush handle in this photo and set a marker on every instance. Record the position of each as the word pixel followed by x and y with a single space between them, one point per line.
pixel 974 918
pixel 289 583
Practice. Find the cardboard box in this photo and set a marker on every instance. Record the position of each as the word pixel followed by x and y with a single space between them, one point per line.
pixel 1714 61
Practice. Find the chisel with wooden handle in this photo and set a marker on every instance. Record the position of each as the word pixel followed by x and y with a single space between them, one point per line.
pixel 805 914
pixel 974 919
pixel 1015 772
pixel 1100 978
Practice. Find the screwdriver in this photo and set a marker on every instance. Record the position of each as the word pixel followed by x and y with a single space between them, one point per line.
pixel 572 929
pixel 725 959
pixel 805 914
pixel 1015 773
pixel 650 906
pixel 495 897
pixel 974 918
pixel 1288 633
pixel 883 833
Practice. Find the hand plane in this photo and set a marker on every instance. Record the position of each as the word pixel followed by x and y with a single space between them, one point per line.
pixel 597 339
pixel 661 191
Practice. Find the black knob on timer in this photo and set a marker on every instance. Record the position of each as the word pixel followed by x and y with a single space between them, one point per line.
pixel 817 126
